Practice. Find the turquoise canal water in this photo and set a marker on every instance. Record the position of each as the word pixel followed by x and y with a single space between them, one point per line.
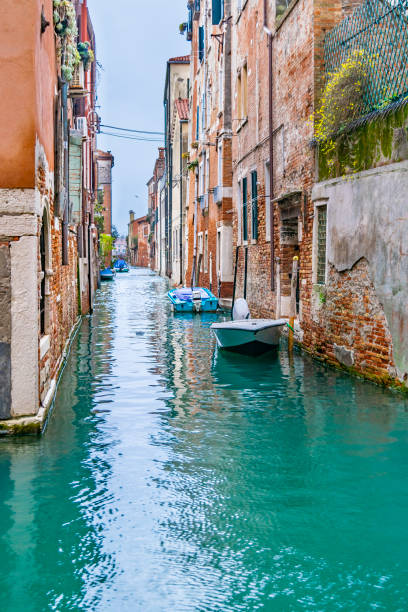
pixel 173 477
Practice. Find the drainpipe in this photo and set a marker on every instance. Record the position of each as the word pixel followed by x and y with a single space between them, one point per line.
pixel 270 35
pixel 181 202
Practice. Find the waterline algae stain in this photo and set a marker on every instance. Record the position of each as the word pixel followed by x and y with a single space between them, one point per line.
pixel 172 476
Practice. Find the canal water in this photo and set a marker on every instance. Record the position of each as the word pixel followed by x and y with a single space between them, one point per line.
pixel 174 477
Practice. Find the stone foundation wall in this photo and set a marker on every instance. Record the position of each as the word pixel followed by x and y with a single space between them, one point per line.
pixel 349 327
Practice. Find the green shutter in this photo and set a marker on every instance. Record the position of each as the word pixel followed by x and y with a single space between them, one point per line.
pixel 75 177
pixel 244 209
pixel 217 10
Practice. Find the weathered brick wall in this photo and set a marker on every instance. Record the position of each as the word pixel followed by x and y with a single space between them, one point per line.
pixel 348 325
pixel 61 289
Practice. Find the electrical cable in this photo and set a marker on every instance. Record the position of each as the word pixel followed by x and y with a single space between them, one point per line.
pixel 131 137
pixel 113 127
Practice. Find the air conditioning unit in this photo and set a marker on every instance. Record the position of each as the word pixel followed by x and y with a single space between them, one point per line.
pixel 81 125
pixel 77 84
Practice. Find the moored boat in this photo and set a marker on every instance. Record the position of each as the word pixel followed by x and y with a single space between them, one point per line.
pixel 245 335
pixel 107 275
pixel 121 266
pixel 197 299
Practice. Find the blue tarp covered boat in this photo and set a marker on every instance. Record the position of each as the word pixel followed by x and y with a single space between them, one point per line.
pixel 121 266
pixel 107 274
pixel 197 299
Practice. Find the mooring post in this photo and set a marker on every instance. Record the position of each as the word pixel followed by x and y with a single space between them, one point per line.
pixel 292 311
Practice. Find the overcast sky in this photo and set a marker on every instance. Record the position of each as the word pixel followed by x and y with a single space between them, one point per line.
pixel 134 40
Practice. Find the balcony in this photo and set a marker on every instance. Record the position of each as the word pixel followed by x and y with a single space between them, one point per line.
pixel 203 200
pixel 218 194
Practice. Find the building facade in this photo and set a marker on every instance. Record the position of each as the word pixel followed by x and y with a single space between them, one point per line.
pixel 48 243
pixel 265 196
pixel 177 85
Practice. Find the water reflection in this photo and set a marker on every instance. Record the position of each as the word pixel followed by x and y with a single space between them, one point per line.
pixel 173 475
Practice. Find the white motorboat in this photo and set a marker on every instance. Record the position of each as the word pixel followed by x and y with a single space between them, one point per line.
pixel 248 335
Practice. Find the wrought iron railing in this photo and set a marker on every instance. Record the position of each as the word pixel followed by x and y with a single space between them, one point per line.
pixel 380 29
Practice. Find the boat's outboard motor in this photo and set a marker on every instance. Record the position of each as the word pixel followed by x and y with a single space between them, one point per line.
pixel 196 297
pixel 241 310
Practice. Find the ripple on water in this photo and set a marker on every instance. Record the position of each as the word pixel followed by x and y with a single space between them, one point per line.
pixel 173 476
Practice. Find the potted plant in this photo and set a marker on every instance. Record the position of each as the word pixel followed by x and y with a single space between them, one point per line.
pixel 192 165
pixel 183 27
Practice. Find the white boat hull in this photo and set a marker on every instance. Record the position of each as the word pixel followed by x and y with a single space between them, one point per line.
pixel 253 335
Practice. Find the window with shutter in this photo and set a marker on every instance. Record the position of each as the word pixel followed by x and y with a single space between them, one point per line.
pixel 254 203
pixel 244 209
pixel 75 176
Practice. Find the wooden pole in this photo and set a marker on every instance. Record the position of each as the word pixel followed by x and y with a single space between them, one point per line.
pixel 246 272
pixel 292 312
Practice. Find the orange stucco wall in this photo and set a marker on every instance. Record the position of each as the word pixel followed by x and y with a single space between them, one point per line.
pixel 28 83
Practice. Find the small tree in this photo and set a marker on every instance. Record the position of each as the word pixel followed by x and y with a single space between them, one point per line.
pixel 105 246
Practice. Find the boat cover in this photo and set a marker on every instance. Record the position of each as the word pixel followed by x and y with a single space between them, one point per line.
pixel 251 325
pixel 186 295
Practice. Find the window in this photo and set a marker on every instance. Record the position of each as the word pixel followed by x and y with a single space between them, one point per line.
pixel 43 266
pixel 267 202
pixel 198 124
pixel 281 6
pixel 201 43
pixel 207 174
pixel 206 252
pixel 321 244
pixel 238 201
pixel 245 91
pixel 244 209
pixel 220 181
pixel 201 179
pixel 221 88
pixel 217 11
pixel 239 97
pixel 200 249
pixel 254 204
pixel 242 94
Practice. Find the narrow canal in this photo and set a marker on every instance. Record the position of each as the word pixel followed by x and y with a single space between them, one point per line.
pixel 173 477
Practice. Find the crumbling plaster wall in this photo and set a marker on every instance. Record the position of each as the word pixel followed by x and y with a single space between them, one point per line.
pixel 367 219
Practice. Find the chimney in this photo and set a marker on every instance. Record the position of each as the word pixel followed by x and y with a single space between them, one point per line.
pixel 161 152
pixel 132 215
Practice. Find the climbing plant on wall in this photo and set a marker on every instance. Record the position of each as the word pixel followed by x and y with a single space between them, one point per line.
pixel 341 100
pixel 65 27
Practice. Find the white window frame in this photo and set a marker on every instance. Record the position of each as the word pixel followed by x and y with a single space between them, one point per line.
pixel 205 256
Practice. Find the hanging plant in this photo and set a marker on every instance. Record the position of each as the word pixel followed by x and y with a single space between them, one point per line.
pixel 86 54
pixel 183 27
pixel 65 27
pixel 185 155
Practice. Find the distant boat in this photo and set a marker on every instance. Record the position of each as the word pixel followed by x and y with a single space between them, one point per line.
pixel 197 299
pixel 246 335
pixel 107 275
pixel 121 266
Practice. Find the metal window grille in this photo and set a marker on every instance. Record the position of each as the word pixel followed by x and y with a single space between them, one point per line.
pixel 380 28
pixel 245 208
pixel 321 244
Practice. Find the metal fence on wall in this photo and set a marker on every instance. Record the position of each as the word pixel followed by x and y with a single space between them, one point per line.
pixel 380 29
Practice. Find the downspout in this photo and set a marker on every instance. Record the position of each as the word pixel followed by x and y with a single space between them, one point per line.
pixel 271 151
pixel 181 202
